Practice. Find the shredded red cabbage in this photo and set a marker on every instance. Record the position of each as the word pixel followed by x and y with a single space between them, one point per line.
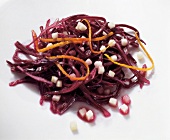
pixel 39 71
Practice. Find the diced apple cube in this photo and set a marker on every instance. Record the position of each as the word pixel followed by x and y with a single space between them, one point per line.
pixel 101 70
pixel 124 41
pixel 55 35
pixel 111 73
pixel 54 79
pixel 82 112
pixel 59 83
pixel 56 98
pixel 73 126
pixel 113 102
pixel 88 61
pixel 124 109
pixel 89 115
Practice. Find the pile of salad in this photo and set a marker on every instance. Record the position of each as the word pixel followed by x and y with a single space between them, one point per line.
pixel 82 58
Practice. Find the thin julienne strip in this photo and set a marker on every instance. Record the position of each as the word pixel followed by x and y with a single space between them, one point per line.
pixel 90 38
pixel 76 40
pixel 60 44
pixel 74 58
pixel 66 41
pixel 134 67
pixel 34 36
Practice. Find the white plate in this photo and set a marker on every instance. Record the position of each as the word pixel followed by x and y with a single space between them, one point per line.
pixel 21 116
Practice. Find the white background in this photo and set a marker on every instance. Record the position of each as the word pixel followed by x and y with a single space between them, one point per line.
pixel 21 116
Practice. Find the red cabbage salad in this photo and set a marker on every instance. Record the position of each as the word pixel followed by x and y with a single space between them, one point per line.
pixel 81 58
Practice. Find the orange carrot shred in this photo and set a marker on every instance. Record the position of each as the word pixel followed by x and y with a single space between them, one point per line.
pixel 134 67
pixel 74 58
pixel 34 35
pixel 102 37
pixel 60 44
pixel 90 38
pixel 76 40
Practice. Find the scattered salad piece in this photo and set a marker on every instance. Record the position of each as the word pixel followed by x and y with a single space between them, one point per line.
pixel 86 115
pixel 111 73
pixel 82 112
pixel 88 61
pixel 102 48
pixel 89 115
pixel 124 42
pixel 56 98
pixel 73 126
pixel 111 25
pixel 49 44
pixel 98 64
pixel 114 57
pixel 104 33
pixel 59 83
pixel 126 99
pixel 140 55
pixel 112 43
pixel 54 79
pixel 54 35
pixel 113 102
pixel 80 26
pixel 81 58
pixel 124 109
pixel 101 69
